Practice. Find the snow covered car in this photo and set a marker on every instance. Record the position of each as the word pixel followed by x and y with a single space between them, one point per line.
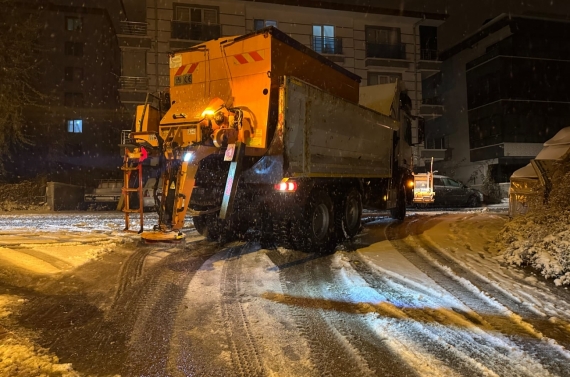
pixel 148 198
pixel 108 192
pixel 449 192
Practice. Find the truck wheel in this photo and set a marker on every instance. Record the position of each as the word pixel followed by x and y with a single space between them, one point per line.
pixel 212 228
pixel 348 215
pixel 318 226
pixel 399 212
pixel 200 224
pixel 283 233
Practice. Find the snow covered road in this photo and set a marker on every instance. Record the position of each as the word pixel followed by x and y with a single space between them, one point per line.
pixel 426 297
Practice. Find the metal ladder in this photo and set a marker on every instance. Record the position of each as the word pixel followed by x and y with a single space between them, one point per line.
pixel 131 165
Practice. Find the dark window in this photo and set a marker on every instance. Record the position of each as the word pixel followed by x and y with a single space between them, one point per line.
pixel 74 48
pixel 73 150
pixel 73 74
pixel 73 23
pixel 73 99
pixel 376 78
pixel 383 42
pixel 436 143
pixel 260 24
pixel 437 182
pixel 428 43
pixel 75 126
pixel 195 23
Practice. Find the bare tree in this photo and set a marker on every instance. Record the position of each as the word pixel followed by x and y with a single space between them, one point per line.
pixel 19 62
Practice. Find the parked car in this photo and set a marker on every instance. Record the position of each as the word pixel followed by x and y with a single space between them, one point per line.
pixel 107 194
pixel 450 192
pixel 148 196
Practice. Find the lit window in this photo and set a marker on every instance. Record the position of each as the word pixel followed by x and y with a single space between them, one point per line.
pixel 324 41
pixel 260 24
pixel 73 23
pixel 75 126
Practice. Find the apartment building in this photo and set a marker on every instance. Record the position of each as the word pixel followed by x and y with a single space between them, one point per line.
pixel 505 92
pixel 75 129
pixel 378 44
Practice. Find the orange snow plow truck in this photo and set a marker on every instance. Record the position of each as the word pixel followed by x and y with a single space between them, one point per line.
pixel 260 132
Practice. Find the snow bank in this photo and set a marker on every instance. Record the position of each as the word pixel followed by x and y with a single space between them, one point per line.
pixel 541 238
pixel 24 196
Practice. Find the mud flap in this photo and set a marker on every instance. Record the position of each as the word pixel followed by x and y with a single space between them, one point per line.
pixel 232 181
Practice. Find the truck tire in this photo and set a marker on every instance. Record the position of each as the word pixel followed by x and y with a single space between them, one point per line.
pixel 214 229
pixel 399 212
pixel 283 233
pixel 348 214
pixel 317 227
pixel 200 224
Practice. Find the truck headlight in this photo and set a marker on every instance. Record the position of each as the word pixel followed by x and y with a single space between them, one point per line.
pixel 188 156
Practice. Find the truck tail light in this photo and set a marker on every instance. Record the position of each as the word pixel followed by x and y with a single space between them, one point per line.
pixel 286 186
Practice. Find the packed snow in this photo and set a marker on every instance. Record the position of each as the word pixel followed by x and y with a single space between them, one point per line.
pixel 411 311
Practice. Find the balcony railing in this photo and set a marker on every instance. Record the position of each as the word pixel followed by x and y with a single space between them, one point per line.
pixel 426 54
pixel 133 83
pixel 327 45
pixel 386 51
pixel 195 31
pixel 133 28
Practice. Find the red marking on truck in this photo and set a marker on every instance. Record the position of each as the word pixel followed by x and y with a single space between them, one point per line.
pixel 255 55
pixel 249 57
pixel 186 69
pixel 240 58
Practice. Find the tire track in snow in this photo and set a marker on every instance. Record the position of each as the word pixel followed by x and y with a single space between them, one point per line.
pixel 245 355
pixel 131 271
pixel 427 328
pixel 554 331
pixel 497 316
pixel 341 344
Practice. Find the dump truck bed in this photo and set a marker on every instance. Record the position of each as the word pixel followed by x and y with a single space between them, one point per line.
pixel 327 136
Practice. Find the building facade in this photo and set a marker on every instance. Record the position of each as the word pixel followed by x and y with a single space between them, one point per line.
pixel 504 90
pixel 76 125
pixel 378 44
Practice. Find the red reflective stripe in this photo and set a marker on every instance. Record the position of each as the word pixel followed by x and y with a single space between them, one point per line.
pixel 255 55
pixel 240 59
pixel 180 70
pixel 193 67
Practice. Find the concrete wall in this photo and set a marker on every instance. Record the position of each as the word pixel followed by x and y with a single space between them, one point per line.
pixel 62 196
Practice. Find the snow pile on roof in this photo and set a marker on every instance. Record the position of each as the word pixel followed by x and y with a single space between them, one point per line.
pixel 541 238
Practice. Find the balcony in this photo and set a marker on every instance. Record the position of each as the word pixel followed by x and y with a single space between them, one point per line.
pixel 386 51
pixel 431 108
pixel 195 31
pixel 426 54
pixel 133 28
pixel 133 83
pixel 133 35
pixel 327 45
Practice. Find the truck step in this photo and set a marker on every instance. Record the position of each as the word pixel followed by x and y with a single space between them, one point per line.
pixel 130 189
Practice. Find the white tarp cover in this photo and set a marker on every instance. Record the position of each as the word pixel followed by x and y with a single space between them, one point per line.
pixel 561 138
pixel 525 172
